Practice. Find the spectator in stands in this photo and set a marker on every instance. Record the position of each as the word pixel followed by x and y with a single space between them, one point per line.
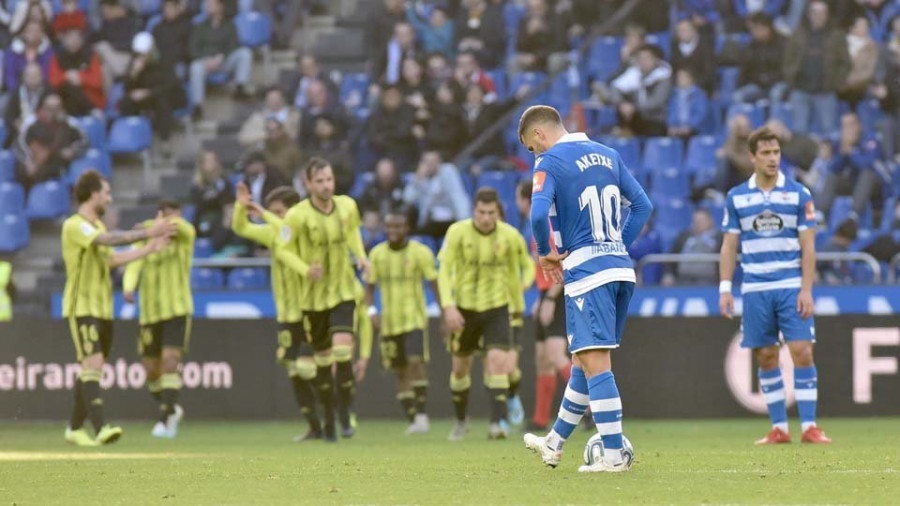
pixel 69 17
pixel 539 36
pixel 480 29
pixel 691 51
pixel 254 130
pixel 31 45
pixel 436 34
pixel 329 142
pixel 447 130
pixel 468 72
pixel 438 69
pixel 641 94
pixel 173 36
pixel 581 15
pixel 479 117
pixel 647 243
pixel 648 14
pixel 415 89
pixel 886 246
pixel 815 66
pixel 734 165
pixel 319 104
pixel 151 86
pixel 284 15
pixel 688 107
pixel 402 46
pixel 113 40
pixel 380 26
pixel 212 196
pixel 309 72
pixel 76 73
pixel 215 48
pixel 385 193
pixel 260 176
pixel 392 130
pixel 864 56
pixel 760 75
pixel 702 237
pixel 746 8
pixel 24 100
pixel 852 167
pixel 838 272
pixel 438 192
pixel 279 149
pixel 26 11
pixel 800 150
pixel 49 142
pixel 634 40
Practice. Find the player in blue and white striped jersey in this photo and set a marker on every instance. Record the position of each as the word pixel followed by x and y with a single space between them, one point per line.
pixel 773 219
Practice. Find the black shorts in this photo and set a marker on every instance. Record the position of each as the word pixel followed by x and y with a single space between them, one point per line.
pixel 483 330
pixel 91 335
pixel 292 342
pixel 321 325
pixel 517 332
pixel 171 333
pixel 396 350
pixel 557 327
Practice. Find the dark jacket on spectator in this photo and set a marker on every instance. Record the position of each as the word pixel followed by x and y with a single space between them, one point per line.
pixel 478 121
pixel 333 112
pixel 380 28
pixel 382 200
pixel 390 132
pixel 54 138
pixel 489 28
pixel 21 105
pixel 209 203
pixel 119 32
pixel 701 62
pixel 173 39
pixel 208 40
pixel 761 62
pixel 273 179
pixel 835 59
pixel 447 130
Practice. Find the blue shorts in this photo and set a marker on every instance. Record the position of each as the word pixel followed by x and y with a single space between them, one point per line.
pixel 766 313
pixel 596 319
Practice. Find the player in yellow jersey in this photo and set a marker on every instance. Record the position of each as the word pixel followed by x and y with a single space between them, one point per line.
pixel 88 296
pixel 325 230
pixel 166 307
pixel 288 271
pixel 399 266
pixel 479 272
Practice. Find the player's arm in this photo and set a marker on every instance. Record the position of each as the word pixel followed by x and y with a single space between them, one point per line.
pixel 430 273
pixel 184 230
pixel 526 264
pixel 448 260
pixel 806 227
pixel 731 225
pixel 131 279
pixel 543 194
pixel 241 225
pixel 355 240
pixel 160 228
pixel 121 258
pixel 641 208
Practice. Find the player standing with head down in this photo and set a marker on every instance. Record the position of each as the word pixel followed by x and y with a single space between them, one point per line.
pixel 774 219
pixel 581 185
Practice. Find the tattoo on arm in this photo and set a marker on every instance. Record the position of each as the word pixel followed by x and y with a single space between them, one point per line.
pixel 121 237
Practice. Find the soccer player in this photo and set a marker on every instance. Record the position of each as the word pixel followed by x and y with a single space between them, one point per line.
pixel 550 324
pixel 479 273
pixel 773 218
pixel 514 408
pixel 287 273
pixel 88 296
pixel 399 267
pixel 166 307
pixel 583 184
pixel 325 228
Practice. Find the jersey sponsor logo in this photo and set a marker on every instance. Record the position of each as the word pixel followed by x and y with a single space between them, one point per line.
pixel 285 233
pixel 87 229
pixel 538 181
pixel 768 224
pixel 810 211
pixel 580 303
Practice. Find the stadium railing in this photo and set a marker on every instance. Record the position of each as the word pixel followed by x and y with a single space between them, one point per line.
pixel 894 266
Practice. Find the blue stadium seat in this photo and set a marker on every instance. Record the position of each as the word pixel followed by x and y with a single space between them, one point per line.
pixel 840 210
pixel 362 181
pixel 753 112
pixel 604 57
pixel 203 247
pixel 670 182
pixel 218 78
pixel 672 217
pixel 248 278
pixel 499 78
pixel 56 6
pixel 152 22
pixel 354 90
pixel 93 159
pixel 870 114
pixel 468 182
pixel 131 134
pixel 531 79
pixel 2 132
pixel 94 129
pixel 600 119
pixel 14 233
pixel 427 241
pixel 701 154
pixel 661 39
pixel 12 198
pixel 716 209
pixel 115 95
pixel 728 78
pixel 662 152
pixel 629 149
pixel 48 200
pixel 188 211
pixel 150 7
pixel 254 29
pixel 7 166
pixel 560 94
pixel 783 112
pixel 890 204
pixel 512 13
pixel 207 279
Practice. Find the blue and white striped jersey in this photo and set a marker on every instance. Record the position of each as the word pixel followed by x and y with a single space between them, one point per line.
pixel 769 224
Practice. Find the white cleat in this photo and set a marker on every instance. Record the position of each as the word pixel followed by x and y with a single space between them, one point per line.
pixel 538 444
pixel 497 431
pixel 420 425
pixel 459 430
pixel 161 431
pixel 602 466
pixel 173 420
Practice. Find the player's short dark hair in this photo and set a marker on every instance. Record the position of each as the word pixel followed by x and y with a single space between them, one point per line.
pixel 538 114
pixel 400 211
pixel 89 183
pixel 315 164
pixel 487 195
pixel 760 18
pixel 285 194
pixel 525 188
pixel 168 205
pixel 761 134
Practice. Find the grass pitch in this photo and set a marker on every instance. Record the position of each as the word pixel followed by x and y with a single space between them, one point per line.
pixel 677 462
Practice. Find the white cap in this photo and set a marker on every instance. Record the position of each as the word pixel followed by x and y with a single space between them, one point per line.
pixel 142 43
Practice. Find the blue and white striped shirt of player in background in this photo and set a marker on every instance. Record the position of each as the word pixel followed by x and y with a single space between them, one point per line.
pixel 773 219
pixel 582 186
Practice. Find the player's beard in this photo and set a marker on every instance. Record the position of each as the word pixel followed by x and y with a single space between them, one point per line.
pixel 100 209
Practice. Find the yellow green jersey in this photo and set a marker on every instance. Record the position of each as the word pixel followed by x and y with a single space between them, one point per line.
pixel 88 291
pixel 399 275
pixel 480 271
pixel 287 268
pixel 527 274
pixel 164 276
pixel 364 331
pixel 330 240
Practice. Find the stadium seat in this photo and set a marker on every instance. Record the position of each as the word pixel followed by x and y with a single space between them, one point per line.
pixel 753 112
pixel 498 76
pixel 152 22
pixel 716 210
pixel 531 79
pixel 7 166
pixel 48 200
pixel 149 7
pixel 14 233
pixel 354 90
pixel 12 198
pixel 561 93
pixel 93 159
pixel 203 247
pixel 661 39
pixel 629 149
pixel 728 78
pixel 870 114
pixel 207 279
pixel 115 95
pixel 131 134
pixel 840 211
pixel 604 57
pixel 701 154
pixel 56 6
pixel 670 182
pixel 2 132
pixel 662 152
pixel 254 29
pixel 94 129
pixel 512 13
pixel 468 182
pixel 248 278
pixel 362 181
pixel 427 241
pixel 783 112
pixel 600 119
pixel 188 211
pixel 672 217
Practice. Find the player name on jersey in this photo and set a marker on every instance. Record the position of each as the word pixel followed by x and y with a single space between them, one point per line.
pixel 593 160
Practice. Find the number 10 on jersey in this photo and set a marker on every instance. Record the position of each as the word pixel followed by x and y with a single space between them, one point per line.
pixel 605 211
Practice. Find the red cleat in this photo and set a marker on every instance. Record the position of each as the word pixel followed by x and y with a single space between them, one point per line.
pixel 815 435
pixel 775 436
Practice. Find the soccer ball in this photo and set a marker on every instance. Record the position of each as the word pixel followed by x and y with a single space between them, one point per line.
pixel 593 450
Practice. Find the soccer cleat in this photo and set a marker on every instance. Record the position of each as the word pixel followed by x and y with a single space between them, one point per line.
pixel 420 425
pixel 538 444
pixel 312 435
pixel 109 434
pixel 815 435
pixel 515 410
pixel 603 467
pixel 160 430
pixel 330 435
pixel 497 431
pixel 79 437
pixel 173 420
pixel 459 430
pixel 775 436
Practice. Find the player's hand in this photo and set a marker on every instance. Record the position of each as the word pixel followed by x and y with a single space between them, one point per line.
pixel 158 243
pixel 805 304
pixel 315 273
pixel 359 369
pixel 128 296
pixel 376 322
pixel 547 311
pixel 242 194
pixel 726 305
pixel 256 210
pixel 552 266
pixel 454 319
pixel 161 227
pixel 364 267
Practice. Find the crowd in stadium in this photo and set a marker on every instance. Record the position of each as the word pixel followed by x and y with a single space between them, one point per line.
pixel 676 88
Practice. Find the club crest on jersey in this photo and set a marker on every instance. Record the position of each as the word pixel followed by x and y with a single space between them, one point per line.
pixel 768 224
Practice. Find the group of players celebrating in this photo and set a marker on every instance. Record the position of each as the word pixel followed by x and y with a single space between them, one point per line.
pixel 325 312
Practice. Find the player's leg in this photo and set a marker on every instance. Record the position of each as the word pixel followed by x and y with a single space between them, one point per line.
pixel 417 358
pixel 317 325
pixel 149 349
pixel 760 332
pixel 498 341
pixel 75 432
pixel 342 321
pixel 102 336
pixel 514 407
pixel 545 386
pixel 303 383
pixel 175 338
pixel 460 384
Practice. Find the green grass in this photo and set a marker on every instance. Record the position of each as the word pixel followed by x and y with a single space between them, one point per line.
pixel 677 462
